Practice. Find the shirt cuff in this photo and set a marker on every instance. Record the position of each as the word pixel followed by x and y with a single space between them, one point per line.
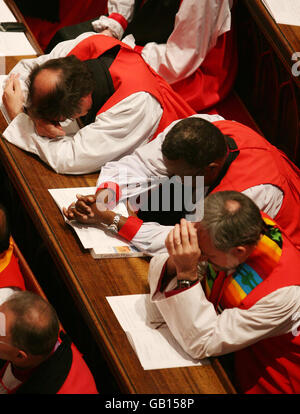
pixel 113 25
pixel 130 228
pixel 178 290
pixel 162 289
pixel 120 19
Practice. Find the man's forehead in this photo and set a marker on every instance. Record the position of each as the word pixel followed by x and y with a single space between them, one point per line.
pixel 204 238
pixel 179 166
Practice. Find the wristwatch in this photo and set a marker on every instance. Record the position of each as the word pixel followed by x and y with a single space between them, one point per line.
pixel 113 227
pixel 184 283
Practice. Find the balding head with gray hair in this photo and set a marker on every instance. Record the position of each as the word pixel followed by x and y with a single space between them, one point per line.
pixel 35 325
pixel 232 219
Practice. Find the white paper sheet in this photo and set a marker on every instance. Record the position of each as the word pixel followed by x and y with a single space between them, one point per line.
pixel 5 13
pixel 149 336
pixel 100 243
pixel 284 11
pixel 13 44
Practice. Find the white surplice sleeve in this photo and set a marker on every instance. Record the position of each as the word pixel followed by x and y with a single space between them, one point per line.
pixel 123 8
pixel 202 332
pixel 137 172
pixel 198 24
pixel 115 133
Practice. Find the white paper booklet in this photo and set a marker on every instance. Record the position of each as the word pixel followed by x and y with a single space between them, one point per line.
pixel 149 336
pixel 5 13
pixel 13 43
pixel 101 243
pixel 284 11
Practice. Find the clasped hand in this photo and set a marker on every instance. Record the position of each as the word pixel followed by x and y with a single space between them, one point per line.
pixel 48 129
pixel 94 209
pixel 13 97
pixel 184 251
pixel 86 211
pixel 13 100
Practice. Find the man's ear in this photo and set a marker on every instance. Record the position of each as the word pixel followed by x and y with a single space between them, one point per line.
pixel 22 355
pixel 211 171
pixel 212 166
pixel 242 252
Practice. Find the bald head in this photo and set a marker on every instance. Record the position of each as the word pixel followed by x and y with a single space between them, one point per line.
pixel 44 84
pixel 231 219
pixel 56 87
pixel 232 206
pixel 34 324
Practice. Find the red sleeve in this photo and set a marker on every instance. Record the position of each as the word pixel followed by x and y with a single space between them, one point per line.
pixel 130 228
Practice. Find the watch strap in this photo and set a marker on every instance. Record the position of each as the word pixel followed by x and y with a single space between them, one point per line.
pixel 185 283
pixel 113 227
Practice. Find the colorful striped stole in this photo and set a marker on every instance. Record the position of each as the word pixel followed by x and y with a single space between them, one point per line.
pixel 228 291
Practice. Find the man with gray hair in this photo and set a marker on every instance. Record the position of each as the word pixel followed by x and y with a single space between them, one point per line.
pixel 39 360
pixel 245 299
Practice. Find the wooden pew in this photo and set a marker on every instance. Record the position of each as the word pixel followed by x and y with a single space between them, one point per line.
pixel 31 283
pixel 265 80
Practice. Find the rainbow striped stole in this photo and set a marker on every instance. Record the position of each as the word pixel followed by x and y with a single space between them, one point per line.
pixel 229 291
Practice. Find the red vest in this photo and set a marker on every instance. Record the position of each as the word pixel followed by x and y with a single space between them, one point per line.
pixel 214 79
pixel 130 74
pixel 259 162
pixel 11 275
pixel 273 365
pixel 79 379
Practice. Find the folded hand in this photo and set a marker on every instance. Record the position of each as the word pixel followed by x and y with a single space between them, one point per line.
pixel 183 248
pixel 48 129
pixel 85 210
pixel 13 97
